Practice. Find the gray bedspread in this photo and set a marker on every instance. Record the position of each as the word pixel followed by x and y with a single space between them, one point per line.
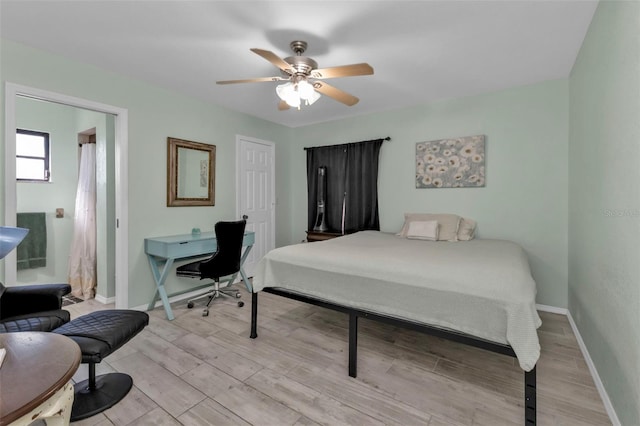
pixel 481 287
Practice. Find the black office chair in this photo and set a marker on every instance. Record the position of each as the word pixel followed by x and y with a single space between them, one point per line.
pixel 224 262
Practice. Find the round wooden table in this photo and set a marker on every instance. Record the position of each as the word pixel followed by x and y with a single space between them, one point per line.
pixel 36 367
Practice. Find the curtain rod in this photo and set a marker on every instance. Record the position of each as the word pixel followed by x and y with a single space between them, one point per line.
pixel 388 138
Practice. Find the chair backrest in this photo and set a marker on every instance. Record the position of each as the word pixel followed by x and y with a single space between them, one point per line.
pixel 226 260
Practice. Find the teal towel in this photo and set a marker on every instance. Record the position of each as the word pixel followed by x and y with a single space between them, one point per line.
pixel 32 251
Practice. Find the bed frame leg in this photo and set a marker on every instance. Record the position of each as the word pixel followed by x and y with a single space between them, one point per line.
pixel 530 397
pixel 353 344
pixel 254 315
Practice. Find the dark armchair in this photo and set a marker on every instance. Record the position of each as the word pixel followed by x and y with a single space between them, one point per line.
pixel 33 307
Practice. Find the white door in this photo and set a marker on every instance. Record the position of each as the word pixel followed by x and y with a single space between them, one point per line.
pixel 256 194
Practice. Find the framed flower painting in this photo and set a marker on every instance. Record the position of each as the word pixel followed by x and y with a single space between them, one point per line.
pixel 450 163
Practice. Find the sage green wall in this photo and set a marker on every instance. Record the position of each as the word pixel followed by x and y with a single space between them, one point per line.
pixel 155 114
pixel 59 122
pixel 525 198
pixel 604 201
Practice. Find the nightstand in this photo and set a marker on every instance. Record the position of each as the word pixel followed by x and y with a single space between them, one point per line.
pixel 321 236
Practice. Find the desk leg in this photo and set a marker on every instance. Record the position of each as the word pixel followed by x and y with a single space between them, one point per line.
pixel 160 278
pixel 242 273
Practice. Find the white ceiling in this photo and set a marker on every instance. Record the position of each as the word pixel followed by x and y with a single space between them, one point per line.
pixel 421 51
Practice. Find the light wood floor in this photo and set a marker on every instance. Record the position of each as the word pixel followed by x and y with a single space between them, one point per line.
pixel 206 371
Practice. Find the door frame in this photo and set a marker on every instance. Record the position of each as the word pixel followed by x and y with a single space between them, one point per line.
pixel 272 171
pixel 12 91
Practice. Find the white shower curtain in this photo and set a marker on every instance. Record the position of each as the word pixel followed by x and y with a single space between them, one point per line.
pixel 82 259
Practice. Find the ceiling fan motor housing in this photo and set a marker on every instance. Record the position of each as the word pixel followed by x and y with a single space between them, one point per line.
pixel 302 65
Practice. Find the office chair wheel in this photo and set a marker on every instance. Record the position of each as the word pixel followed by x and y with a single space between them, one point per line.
pixel 240 304
pixel 205 313
pixel 190 305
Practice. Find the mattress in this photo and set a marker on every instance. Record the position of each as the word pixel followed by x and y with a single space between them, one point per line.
pixel 481 287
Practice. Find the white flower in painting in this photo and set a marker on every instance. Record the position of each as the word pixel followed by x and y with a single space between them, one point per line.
pixel 454 161
pixel 431 168
pixel 429 158
pixel 450 142
pixel 437 182
pixel 472 178
pixel 447 152
pixel 469 150
pixel 442 169
pixel 458 176
pixel 440 161
pixel 421 147
pixel 457 185
pixel 480 181
pixel 435 148
pixel 426 180
pixel 476 158
pixel 464 167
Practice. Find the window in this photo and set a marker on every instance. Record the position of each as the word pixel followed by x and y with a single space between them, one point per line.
pixel 32 156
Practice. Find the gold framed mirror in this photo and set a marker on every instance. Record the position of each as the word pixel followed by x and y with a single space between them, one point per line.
pixel 191 172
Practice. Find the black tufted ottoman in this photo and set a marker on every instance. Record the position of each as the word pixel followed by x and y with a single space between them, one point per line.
pixel 98 334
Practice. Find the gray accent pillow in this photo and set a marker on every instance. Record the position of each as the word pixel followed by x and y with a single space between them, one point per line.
pixel 467 229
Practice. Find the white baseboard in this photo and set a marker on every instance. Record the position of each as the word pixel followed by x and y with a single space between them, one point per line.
pixel 105 300
pixel 594 373
pixel 552 309
pixel 585 353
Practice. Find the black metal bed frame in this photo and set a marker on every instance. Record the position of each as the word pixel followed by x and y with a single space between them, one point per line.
pixel 354 314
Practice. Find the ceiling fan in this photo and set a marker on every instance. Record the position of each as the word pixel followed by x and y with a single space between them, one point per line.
pixel 303 78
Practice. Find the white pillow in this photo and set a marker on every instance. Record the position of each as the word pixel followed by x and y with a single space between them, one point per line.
pixel 423 230
pixel 447 224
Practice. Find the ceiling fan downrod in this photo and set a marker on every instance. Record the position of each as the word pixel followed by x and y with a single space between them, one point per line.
pixel 298 47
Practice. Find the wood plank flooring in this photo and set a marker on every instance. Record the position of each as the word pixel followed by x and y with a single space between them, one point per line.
pixel 206 371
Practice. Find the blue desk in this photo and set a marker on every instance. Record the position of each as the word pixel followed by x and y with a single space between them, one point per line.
pixel 163 251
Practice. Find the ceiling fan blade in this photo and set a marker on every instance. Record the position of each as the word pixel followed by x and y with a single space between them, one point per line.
pixel 274 59
pixel 251 80
pixel 343 71
pixel 283 106
pixel 334 93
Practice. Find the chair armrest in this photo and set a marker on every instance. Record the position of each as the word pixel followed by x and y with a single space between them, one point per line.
pixel 21 300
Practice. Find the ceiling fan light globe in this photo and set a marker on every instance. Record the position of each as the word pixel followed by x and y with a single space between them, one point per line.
pixel 285 90
pixel 293 102
pixel 305 89
pixel 314 97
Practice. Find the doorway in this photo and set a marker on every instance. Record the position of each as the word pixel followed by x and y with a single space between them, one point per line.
pixel 118 227
pixel 255 194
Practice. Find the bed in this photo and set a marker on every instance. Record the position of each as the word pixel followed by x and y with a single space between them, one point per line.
pixel 477 292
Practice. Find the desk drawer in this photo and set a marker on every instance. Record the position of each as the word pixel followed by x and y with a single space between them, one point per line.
pixel 180 249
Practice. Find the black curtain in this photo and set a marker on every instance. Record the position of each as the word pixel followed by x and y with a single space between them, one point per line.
pixel 352 178
pixel 334 158
pixel 361 187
